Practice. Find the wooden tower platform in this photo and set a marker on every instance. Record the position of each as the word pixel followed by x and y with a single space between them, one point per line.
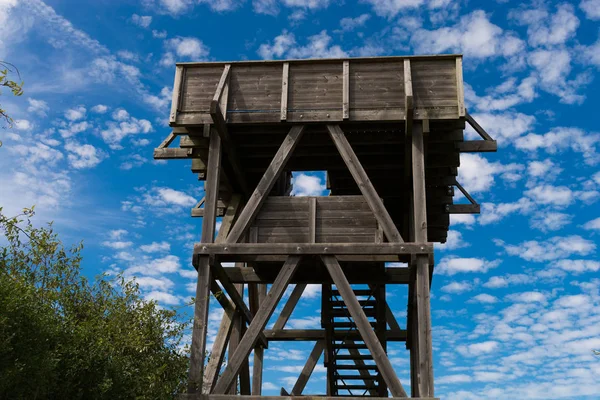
pixel 389 132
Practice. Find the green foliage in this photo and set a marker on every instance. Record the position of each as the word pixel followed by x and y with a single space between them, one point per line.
pixel 64 337
pixel 15 87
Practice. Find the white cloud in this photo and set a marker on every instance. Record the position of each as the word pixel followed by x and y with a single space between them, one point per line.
pixel 163 297
pixel 492 213
pixel 39 107
pixel 474 36
pixel 143 21
pixel 591 8
pixel 99 109
pixel 155 247
pixel 307 185
pixel 117 234
pixel 501 98
pixel 123 125
pixel 391 8
pixel 75 114
pixel 545 29
pixel 148 282
pixel 451 265
pixel 71 129
pixel 592 225
pixel 462 219
pixel 189 48
pixel 349 24
pixel 577 266
pixel 38 153
pixel 504 127
pixel 476 173
pixel 485 298
pixel 319 46
pixel 551 249
pixel 478 349
pixel 457 287
pixel 559 196
pixel 547 221
pixel 154 267
pixel 527 297
pixel 507 280
pixel 159 34
pixel 563 138
pixel 83 155
pixel 117 245
pixel 453 241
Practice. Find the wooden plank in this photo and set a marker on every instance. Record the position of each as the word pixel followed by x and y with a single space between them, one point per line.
pixel 257 370
pixel 423 330
pixel 346 91
pixel 313 249
pixel 309 335
pixel 237 299
pixel 390 276
pixel 408 96
pixel 236 335
pixel 460 90
pixel 284 90
pixel 228 218
pixel 258 324
pixel 477 127
pixel 289 306
pixel 266 183
pixel 222 83
pixel 463 209
pixel 364 373
pixel 362 324
pixel 201 307
pixel 220 125
pixel 176 94
pixel 217 353
pixel 364 184
pixel 282 397
pixel 312 220
pixel 168 140
pixel 309 367
pixel 477 146
pixel 172 154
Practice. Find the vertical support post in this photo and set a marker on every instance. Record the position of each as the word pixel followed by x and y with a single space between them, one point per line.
pixel 200 325
pixel 380 329
pixel 326 324
pixel 346 91
pixel 284 90
pixel 423 311
pixel 236 333
pixel 259 351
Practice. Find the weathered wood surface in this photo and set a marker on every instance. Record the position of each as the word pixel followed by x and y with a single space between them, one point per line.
pixel 321 90
pixel 284 397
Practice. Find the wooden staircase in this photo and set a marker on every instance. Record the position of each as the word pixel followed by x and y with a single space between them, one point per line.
pixel 351 370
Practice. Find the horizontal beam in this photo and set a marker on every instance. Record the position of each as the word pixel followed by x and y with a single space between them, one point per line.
pixel 477 146
pixel 198 396
pixel 312 249
pixel 392 276
pixel 462 208
pixel 172 153
pixel 316 334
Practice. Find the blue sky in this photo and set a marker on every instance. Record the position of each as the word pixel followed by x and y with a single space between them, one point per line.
pixel 516 292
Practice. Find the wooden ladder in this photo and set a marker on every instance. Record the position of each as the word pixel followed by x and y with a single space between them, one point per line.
pixel 351 370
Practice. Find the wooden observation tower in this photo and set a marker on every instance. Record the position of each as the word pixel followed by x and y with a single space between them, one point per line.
pixel 388 131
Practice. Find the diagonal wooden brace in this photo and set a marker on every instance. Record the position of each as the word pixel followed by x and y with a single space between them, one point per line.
pixel 364 328
pixel 257 325
pixel 364 184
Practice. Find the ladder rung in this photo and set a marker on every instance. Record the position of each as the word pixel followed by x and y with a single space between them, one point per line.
pixel 357 292
pixel 339 303
pixel 338 312
pixel 353 357
pixel 350 324
pixel 356 377
pixel 349 346
pixel 354 387
pixel 356 367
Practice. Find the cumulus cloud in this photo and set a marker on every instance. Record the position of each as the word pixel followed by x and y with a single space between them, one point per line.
pixel 82 156
pixel 591 8
pixel 476 173
pixel 285 46
pixel 553 248
pixel 560 139
pixel 39 107
pixel 307 185
pixel 474 36
pixel 143 21
pixel 186 48
pixel 451 265
pixel 122 126
pixel 546 29
pixel 453 241
pixel 155 247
